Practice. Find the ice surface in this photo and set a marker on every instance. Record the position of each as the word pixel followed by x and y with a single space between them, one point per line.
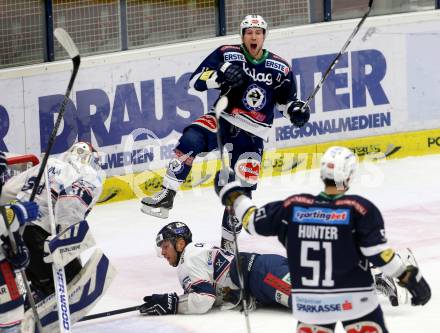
pixel 407 191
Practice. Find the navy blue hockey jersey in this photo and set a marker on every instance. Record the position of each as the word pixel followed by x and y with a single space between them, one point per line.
pixel 330 241
pixel 270 84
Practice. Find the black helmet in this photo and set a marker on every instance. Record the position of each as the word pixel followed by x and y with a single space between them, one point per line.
pixel 172 231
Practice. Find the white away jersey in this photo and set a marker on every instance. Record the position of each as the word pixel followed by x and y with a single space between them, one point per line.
pixel 74 191
pixel 203 272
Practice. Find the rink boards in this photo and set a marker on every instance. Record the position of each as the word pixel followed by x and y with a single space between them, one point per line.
pixel 278 162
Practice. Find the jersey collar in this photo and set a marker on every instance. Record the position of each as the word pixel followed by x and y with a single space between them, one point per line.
pixel 331 196
pixel 252 60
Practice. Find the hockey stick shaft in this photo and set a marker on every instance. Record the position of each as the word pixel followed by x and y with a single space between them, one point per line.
pixel 220 106
pixel 65 40
pixel 110 313
pixel 59 276
pixel 22 272
pixel 338 56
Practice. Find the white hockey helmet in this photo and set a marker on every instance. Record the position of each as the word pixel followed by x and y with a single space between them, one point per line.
pixel 338 164
pixel 82 153
pixel 252 21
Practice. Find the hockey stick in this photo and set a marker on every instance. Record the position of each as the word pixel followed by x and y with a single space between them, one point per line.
pixel 59 276
pixel 336 60
pixel 64 39
pixel 220 106
pixel 22 272
pixel 110 313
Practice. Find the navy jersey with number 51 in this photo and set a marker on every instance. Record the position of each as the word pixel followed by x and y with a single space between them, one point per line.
pixel 330 241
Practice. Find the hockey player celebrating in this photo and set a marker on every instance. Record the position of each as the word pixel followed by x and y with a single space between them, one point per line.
pixel 14 255
pixel 330 239
pixel 255 81
pixel 75 183
pixel 209 277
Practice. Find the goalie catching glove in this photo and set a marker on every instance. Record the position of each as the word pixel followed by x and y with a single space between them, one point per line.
pixel 298 115
pixel 159 304
pixel 413 281
pixel 231 75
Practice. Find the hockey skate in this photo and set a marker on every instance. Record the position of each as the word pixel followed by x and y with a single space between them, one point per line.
pixel 159 204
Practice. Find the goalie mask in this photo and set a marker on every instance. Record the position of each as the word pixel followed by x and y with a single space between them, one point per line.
pixel 253 21
pixel 338 164
pixel 82 153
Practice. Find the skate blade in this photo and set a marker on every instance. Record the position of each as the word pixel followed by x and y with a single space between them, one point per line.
pixel 159 212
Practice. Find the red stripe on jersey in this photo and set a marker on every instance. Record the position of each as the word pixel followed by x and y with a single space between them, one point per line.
pixel 277 283
pixel 207 121
pixel 258 116
pixel 9 277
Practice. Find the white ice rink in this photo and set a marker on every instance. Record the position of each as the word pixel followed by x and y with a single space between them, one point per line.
pixel 407 191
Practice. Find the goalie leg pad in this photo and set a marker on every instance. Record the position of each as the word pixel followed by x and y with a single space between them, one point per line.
pixel 85 290
pixel 64 247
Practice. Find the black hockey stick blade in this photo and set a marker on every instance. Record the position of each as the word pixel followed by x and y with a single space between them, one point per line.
pixel 338 56
pixel 110 313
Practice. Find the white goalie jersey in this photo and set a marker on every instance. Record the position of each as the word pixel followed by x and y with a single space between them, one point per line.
pixel 203 272
pixel 75 188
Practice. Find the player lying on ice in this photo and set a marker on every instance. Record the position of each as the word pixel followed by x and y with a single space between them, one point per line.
pixel 209 278
pixel 75 182
pixel 330 239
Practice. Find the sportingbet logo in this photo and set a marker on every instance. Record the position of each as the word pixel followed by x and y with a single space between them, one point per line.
pixel 321 215
pixel 63 301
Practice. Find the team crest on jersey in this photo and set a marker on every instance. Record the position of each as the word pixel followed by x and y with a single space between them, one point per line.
pixel 279 66
pixel 221 263
pixel 233 56
pixel 254 98
pixel 320 215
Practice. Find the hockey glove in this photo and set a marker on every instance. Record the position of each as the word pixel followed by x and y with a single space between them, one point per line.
pixel 414 282
pixel 3 165
pixel 159 304
pixel 227 187
pixel 20 259
pixel 231 75
pixel 297 115
pixel 25 211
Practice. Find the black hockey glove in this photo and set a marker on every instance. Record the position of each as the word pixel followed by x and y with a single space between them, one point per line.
pixel 298 116
pixel 20 259
pixel 231 75
pixel 227 187
pixel 159 304
pixel 414 282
